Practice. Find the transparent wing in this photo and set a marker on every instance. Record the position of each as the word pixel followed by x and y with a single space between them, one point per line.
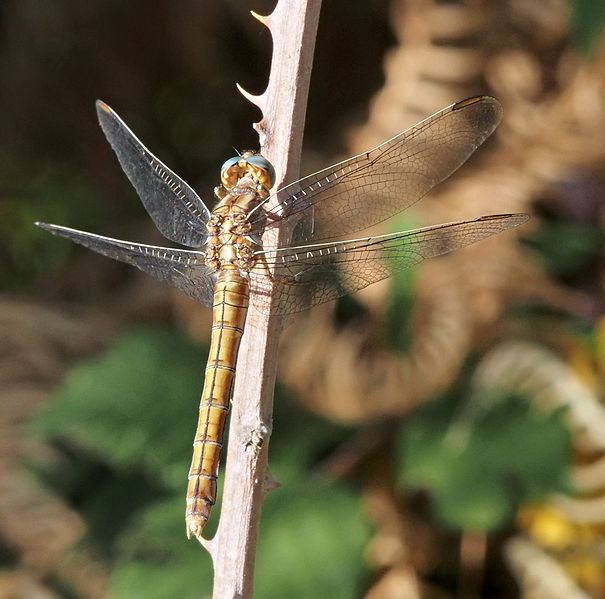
pixel 184 269
pixel 177 211
pixel 309 275
pixel 373 186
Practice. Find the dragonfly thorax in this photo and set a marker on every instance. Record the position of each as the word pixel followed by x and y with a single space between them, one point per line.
pixel 246 181
pixel 228 241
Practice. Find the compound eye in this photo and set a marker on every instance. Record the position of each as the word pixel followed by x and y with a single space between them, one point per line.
pixel 261 163
pixel 229 163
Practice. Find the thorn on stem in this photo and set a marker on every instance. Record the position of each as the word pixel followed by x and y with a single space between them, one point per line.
pixel 261 18
pixel 269 483
pixel 250 97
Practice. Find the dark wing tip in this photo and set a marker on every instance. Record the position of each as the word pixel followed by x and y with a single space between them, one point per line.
pixel 473 100
pixel 514 219
pixel 102 106
pixel 488 105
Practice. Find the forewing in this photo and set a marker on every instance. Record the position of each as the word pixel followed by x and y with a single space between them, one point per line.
pixel 177 211
pixel 373 186
pixel 184 269
pixel 309 275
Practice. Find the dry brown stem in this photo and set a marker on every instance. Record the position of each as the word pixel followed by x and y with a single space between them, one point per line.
pixel 293 25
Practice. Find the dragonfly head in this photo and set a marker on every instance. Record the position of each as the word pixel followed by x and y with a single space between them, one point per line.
pixel 249 164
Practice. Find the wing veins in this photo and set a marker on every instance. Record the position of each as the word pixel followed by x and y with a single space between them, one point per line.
pixel 374 185
pixel 176 209
pixel 181 268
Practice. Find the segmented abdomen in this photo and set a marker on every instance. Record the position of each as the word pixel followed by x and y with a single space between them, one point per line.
pixel 229 314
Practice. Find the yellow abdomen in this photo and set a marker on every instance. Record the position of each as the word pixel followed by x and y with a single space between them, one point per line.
pixel 229 315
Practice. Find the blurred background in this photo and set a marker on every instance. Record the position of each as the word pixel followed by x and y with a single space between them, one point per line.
pixel 441 434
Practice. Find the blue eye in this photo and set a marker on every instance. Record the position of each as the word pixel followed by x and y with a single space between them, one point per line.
pixel 229 163
pixel 263 164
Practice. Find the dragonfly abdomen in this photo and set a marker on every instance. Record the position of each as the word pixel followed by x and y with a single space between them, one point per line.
pixel 229 315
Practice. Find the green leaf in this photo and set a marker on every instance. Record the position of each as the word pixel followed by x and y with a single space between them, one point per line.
pixel 311 543
pixel 587 23
pixel 156 560
pixel 135 406
pixel 124 424
pixel 479 472
pixel 566 247
pixel 187 579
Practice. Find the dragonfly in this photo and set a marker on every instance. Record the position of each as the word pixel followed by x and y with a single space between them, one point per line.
pixel 223 261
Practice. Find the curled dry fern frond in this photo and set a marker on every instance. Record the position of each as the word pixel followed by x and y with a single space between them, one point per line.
pixel 554 123
pixel 539 574
pixel 567 530
pixel 541 375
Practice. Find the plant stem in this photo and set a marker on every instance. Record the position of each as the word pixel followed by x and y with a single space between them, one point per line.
pixel 293 26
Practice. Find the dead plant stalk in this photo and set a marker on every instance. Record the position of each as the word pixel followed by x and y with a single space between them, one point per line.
pixel 293 26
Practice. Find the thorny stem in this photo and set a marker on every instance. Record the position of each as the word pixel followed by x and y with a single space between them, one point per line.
pixel 293 26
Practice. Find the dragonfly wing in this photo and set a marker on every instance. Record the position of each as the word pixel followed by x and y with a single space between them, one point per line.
pixel 309 275
pixel 373 186
pixel 177 211
pixel 184 269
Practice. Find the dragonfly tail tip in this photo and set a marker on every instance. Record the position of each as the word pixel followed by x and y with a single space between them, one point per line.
pixel 194 526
